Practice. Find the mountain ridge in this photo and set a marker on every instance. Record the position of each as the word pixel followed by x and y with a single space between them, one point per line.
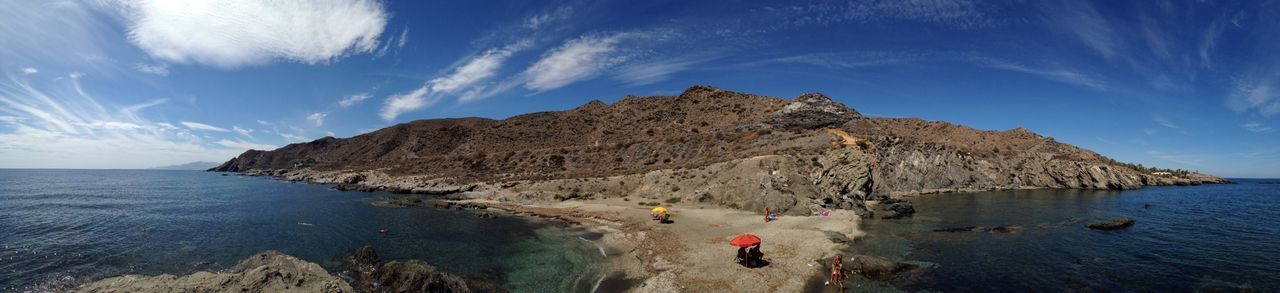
pixel 809 151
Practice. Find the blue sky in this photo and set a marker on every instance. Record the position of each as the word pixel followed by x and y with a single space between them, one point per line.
pixel 128 84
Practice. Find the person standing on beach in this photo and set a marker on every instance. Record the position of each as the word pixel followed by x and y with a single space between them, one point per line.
pixel 766 214
pixel 837 271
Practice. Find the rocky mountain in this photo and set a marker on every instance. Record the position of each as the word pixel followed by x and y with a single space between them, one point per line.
pixel 707 145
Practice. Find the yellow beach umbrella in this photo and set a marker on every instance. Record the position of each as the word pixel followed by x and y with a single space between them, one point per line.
pixel 661 210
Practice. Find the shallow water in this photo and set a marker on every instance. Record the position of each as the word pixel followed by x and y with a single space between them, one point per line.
pixel 1210 237
pixel 59 228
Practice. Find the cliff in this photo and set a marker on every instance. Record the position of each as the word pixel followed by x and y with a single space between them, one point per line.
pixel 706 144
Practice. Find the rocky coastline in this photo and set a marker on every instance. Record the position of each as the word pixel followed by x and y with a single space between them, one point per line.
pixel 719 152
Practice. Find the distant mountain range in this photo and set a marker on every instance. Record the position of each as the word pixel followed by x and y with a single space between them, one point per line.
pixel 707 145
pixel 189 166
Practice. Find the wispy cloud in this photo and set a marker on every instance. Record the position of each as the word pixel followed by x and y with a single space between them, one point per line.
pixel 350 100
pixel 540 20
pixel 962 14
pixel 1061 75
pixel 30 70
pixel 466 80
pixel 243 145
pixel 1180 158
pixel 404 38
pixel 1082 21
pixel 66 127
pixel 293 138
pixel 317 118
pixel 657 70
pixel 1254 94
pixel 202 126
pixel 242 131
pixel 1158 119
pixel 1255 127
pixel 157 69
pixel 246 32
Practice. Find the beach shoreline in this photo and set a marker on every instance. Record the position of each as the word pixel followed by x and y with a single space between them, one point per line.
pixel 692 253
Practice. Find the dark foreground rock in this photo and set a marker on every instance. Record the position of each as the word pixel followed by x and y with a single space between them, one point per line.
pixel 1116 224
pixel 877 268
pixel 269 271
pixel 273 271
pixel 396 276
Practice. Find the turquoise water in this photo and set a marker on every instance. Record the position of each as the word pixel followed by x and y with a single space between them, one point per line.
pixel 59 228
pixel 1194 238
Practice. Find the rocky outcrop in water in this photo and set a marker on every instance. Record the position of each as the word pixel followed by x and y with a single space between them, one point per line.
pixel 396 276
pixel 269 271
pixel 273 271
pixel 877 268
pixel 796 156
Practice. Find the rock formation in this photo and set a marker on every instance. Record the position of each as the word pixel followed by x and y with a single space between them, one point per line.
pixel 705 145
pixel 272 271
pixel 269 271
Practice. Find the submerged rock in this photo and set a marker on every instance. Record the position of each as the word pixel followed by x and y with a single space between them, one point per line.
pixel 1007 229
pixel 895 208
pixel 1116 224
pixel 957 229
pixel 877 268
pixel 395 276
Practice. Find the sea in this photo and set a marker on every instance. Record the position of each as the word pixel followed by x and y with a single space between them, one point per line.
pixel 1208 238
pixel 62 228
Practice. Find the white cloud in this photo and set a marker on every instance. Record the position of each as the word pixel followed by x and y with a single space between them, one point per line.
pixel 317 118
pixel 404 103
pixel 247 32
pixel 157 69
pixel 575 60
pixel 350 100
pixel 243 145
pixel 202 126
pixel 1255 127
pixel 264 122
pixel 30 70
pixel 245 132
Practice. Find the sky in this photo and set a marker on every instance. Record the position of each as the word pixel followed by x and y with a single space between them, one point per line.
pixel 133 84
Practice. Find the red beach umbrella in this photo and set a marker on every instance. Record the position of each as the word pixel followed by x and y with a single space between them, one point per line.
pixel 745 240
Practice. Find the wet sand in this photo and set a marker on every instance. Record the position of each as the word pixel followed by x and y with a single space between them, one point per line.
pixel 693 254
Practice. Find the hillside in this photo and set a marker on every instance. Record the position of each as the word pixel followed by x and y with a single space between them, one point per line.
pixel 706 144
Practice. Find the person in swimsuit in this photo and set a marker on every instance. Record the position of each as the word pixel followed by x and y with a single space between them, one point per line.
pixel 837 271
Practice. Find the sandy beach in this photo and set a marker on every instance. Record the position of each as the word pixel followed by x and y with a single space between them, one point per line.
pixel 693 253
